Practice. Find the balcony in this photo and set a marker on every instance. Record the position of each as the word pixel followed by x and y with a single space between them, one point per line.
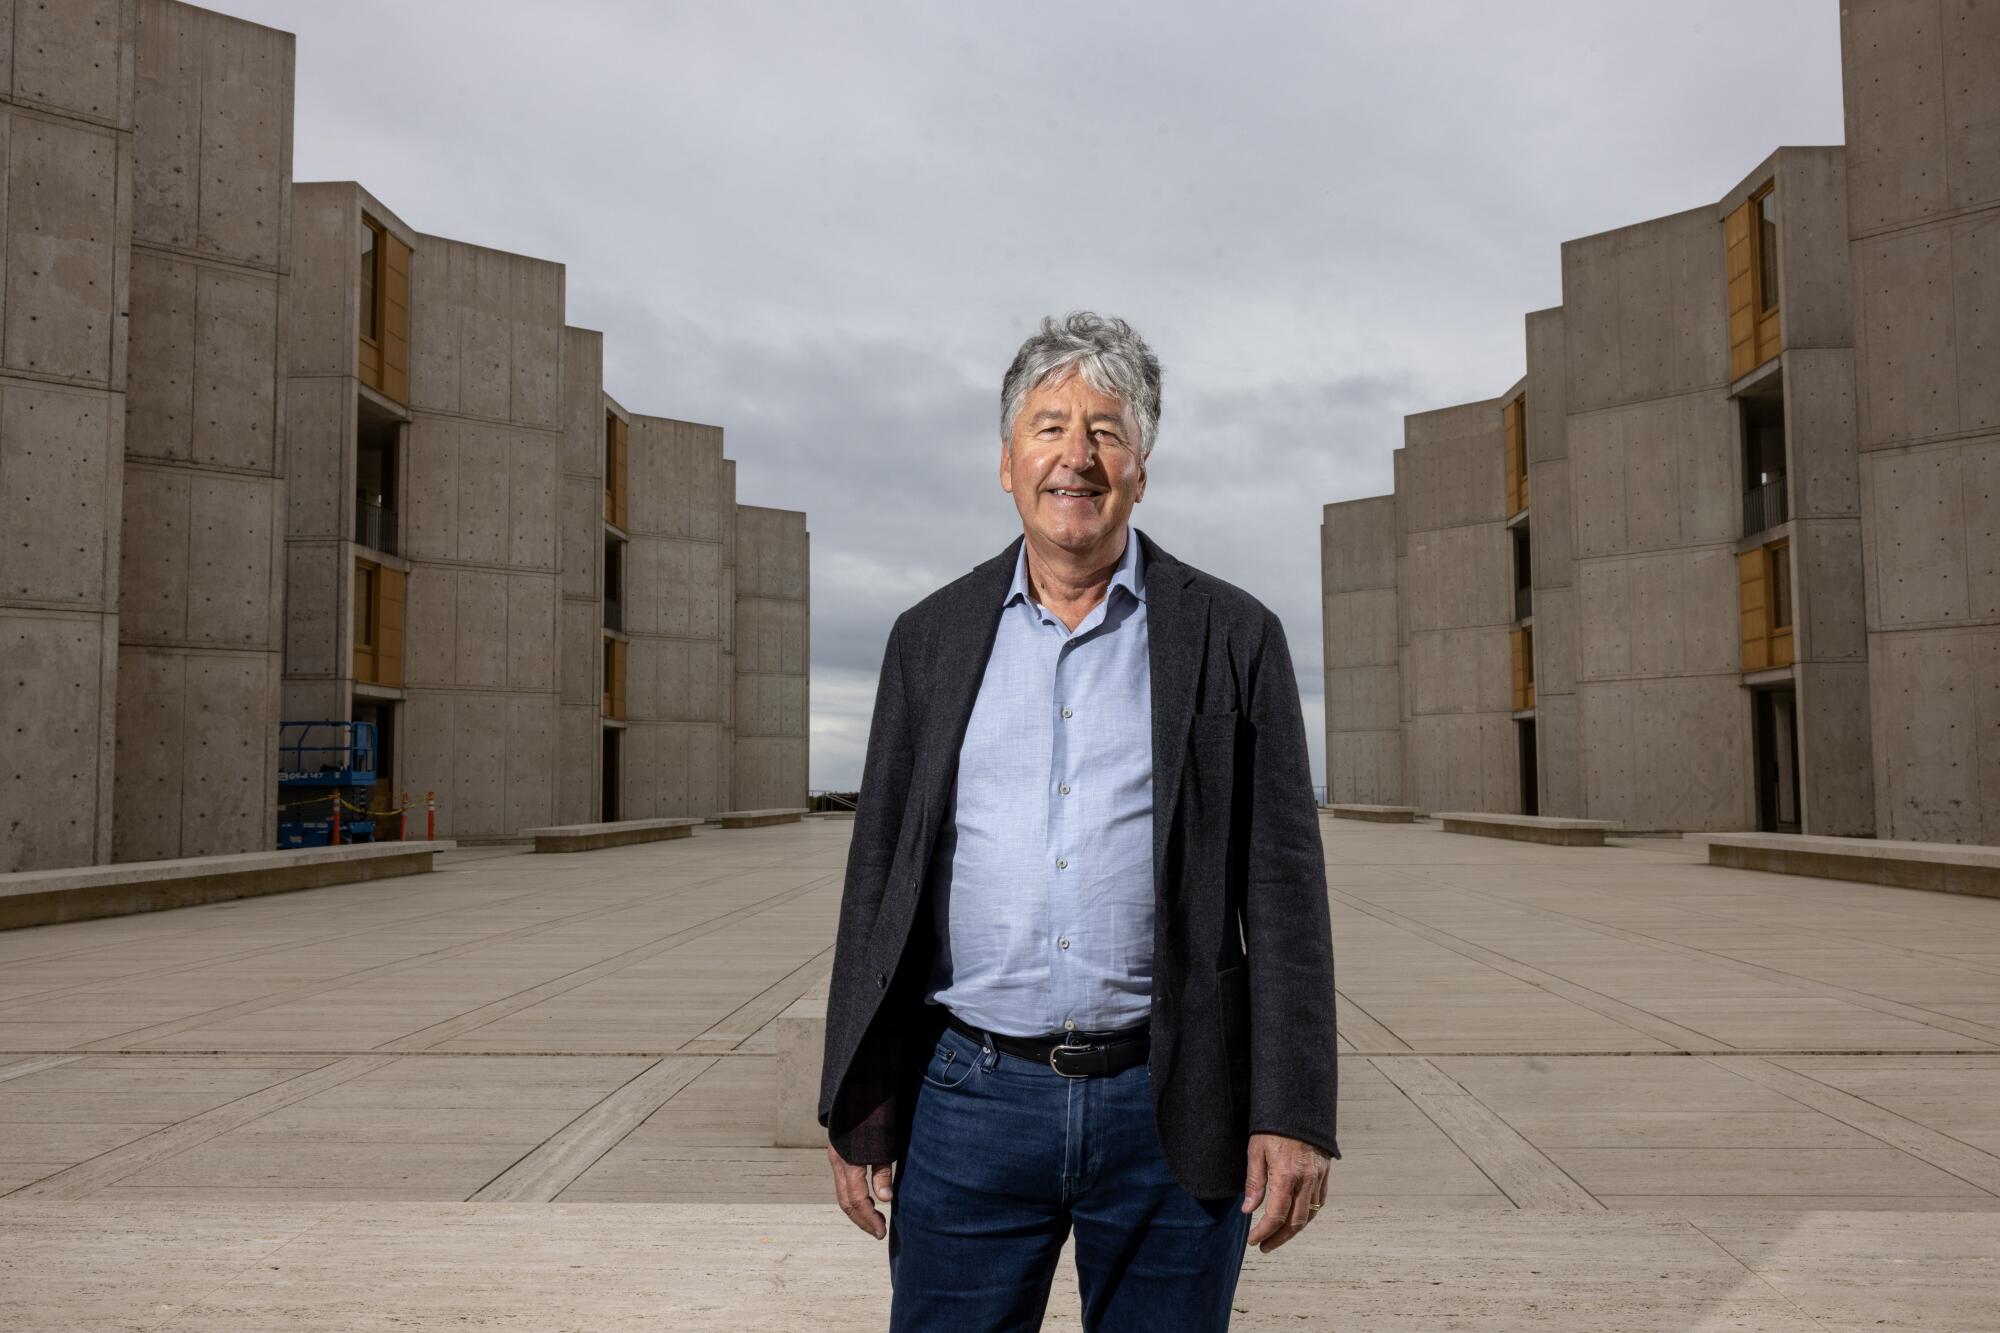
pixel 1524 602
pixel 614 614
pixel 1764 506
pixel 375 526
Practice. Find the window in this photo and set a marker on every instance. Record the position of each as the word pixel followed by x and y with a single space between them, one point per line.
pixel 1764 600
pixel 615 469
pixel 382 359
pixel 371 279
pixel 1781 585
pixel 1514 427
pixel 1766 204
pixel 364 607
pixel 1750 248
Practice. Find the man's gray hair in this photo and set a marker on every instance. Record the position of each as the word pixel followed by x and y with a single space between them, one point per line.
pixel 1110 356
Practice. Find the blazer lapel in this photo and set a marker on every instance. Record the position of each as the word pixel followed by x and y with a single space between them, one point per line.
pixel 1176 639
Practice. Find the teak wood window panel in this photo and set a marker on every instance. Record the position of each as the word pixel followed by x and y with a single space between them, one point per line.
pixel 1514 420
pixel 382 358
pixel 615 469
pixel 1764 598
pixel 1524 667
pixel 379 595
pixel 1750 248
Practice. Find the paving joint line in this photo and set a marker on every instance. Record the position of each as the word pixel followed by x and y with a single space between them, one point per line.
pixel 1805 985
pixel 541 1174
pixel 1762 1281
pixel 1963 1161
pixel 471 1021
pixel 1618 1011
pixel 318 941
pixel 347 980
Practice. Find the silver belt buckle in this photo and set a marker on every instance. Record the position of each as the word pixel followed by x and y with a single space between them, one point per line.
pixel 1069 1043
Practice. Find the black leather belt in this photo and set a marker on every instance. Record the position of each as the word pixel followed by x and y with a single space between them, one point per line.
pixel 1072 1055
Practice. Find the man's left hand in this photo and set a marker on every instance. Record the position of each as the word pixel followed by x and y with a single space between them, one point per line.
pixel 1289 1177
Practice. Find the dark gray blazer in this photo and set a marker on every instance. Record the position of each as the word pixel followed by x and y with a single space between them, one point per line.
pixel 1243 1016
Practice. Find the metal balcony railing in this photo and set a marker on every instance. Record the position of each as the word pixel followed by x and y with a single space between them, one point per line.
pixel 614 614
pixel 1524 602
pixel 375 526
pixel 1764 506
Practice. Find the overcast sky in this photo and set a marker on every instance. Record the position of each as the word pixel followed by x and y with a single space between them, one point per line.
pixel 826 227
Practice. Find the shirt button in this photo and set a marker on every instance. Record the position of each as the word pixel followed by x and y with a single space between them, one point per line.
pixel 1061 863
pixel 1069 1025
pixel 1063 942
pixel 1065 789
pixel 880 981
pixel 1065 712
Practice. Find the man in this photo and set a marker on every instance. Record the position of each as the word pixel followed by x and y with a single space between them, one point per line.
pixel 1084 975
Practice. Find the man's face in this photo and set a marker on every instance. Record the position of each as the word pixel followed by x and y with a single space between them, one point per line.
pixel 1073 464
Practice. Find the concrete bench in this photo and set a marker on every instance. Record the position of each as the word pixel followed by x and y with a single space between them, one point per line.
pixel 759 818
pixel 46 897
pixel 1942 867
pixel 618 833
pixel 1380 814
pixel 801 1034
pixel 1552 829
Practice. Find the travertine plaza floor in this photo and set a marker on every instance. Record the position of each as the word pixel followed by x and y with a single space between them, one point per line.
pixel 1581 1089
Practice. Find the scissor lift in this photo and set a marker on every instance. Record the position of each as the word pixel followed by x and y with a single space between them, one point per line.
pixel 322 764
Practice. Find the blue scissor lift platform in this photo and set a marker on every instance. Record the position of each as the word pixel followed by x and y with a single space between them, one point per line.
pixel 321 762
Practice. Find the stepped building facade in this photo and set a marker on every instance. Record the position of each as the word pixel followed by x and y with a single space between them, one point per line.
pixel 1726 556
pixel 268 453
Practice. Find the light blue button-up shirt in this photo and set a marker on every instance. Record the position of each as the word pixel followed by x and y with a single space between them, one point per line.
pixel 1042 877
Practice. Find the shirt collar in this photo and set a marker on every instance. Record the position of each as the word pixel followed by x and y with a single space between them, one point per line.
pixel 1129 575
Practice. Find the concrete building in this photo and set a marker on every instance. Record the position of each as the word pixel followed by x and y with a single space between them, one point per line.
pixel 1741 597
pixel 141 437
pixel 526 587
pixel 1923 178
pixel 267 452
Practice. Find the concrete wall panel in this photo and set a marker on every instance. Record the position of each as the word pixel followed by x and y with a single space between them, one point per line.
pixel 1908 366
pixel 584 405
pixel 578 763
pixel 1917 555
pixel 1820 438
pixel 1893 80
pixel 581 681
pixel 150 764
pixel 1931 780
pixel 531 632
pixel 153 582
pixel 1970 37
pixel 430 636
pixel 60 467
pixel 582 543
pixel 532 486
pixel 323 292
pixel 531 759
pixel 229 755
pixel 1835 764
pixel 319 419
pixel 480 741
pixel 1829 577
pixel 314 598
pixel 482 628
pixel 160 379
pixel 485 454
pixel 246 158
pixel 234 554
pixel 432 501
pixel 537 345
pixel 1813 289
pixel 55 788
pixel 235 369
pixel 75 58
pixel 64 250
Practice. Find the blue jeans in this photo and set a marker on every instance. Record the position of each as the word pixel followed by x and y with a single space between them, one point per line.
pixel 1005 1154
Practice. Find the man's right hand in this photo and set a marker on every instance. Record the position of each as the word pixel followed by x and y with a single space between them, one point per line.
pixel 851 1187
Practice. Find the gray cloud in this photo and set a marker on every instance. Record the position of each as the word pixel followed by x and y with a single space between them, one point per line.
pixel 827 227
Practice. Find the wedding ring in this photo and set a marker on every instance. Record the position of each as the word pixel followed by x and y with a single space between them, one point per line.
pixel 1314 1207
